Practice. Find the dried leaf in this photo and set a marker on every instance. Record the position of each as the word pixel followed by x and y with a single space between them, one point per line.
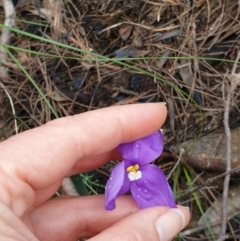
pixel 125 32
pixel 55 95
pixel 162 36
pixel 125 53
pixel 138 42
pixel 161 62
pixel 188 79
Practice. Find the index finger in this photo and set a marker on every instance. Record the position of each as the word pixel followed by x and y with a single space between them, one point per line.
pixel 50 152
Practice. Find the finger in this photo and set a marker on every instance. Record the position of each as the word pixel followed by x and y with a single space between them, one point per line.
pixel 71 218
pixel 45 154
pixel 97 160
pixel 156 224
pixel 11 227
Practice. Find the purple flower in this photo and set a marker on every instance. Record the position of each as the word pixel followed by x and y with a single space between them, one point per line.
pixel 147 182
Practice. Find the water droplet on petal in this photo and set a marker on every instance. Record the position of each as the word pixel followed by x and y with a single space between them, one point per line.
pixel 139 189
pixel 138 196
pixel 110 178
pixel 145 190
pixel 152 200
pixel 138 145
pixel 109 186
pixel 145 181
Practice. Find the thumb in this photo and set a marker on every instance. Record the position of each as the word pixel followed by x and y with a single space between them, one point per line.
pixel 155 224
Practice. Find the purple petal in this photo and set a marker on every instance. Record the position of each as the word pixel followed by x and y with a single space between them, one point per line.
pixel 152 189
pixel 143 151
pixel 117 185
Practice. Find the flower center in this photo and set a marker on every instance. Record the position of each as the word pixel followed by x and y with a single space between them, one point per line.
pixel 134 168
pixel 134 173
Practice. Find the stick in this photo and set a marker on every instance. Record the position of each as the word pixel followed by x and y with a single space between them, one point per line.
pixel 12 105
pixel 4 39
pixel 208 181
pixel 234 82
pixel 5 36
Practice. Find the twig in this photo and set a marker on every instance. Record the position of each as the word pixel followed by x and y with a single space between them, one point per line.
pixel 12 105
pixel 191 231
pixel 196 178
pixel 5 36
pixel 208 181
pixel 234 82
pixel 139 25
pixel 177 163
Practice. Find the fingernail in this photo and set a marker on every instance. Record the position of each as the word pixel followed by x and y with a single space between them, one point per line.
pixel 163 103
pixel 170 224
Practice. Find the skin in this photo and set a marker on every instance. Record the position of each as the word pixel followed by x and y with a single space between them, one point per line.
pixel 33 164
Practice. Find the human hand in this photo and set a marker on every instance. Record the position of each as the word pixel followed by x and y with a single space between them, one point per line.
pixel 34 163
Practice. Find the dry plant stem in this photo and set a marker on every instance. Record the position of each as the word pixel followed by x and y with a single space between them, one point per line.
pixel 5 36
pixel 138 25
pixel 12 105
pixel 208 181
pixel 228 166
pixel 191 231
pixel 177 163
pixel 234 81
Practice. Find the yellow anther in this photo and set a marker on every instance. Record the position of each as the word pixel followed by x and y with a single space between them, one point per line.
pixel 134 168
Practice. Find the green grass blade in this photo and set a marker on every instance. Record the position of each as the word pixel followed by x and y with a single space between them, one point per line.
pixel 33 83
pixel 195 196
pixel 117 61
pixel 22 122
